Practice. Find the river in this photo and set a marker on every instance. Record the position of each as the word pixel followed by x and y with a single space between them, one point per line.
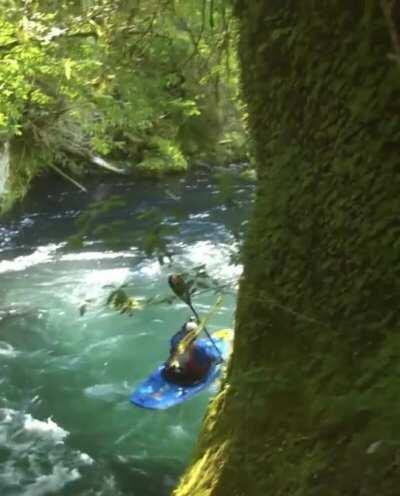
pixel 66 424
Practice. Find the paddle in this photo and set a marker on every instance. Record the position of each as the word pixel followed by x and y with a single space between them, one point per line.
pixel 182 291
pixel 190 337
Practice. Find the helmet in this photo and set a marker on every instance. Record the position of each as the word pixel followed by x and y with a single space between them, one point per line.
pixel 191 325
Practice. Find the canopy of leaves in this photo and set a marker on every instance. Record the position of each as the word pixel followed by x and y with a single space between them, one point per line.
pixel 150 82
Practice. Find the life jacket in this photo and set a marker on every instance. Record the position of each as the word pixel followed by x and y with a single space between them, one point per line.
pixel 198 363
pixel 194 365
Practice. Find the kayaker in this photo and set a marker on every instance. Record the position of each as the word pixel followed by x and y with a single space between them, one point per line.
pixel 190 365
pixel 186 329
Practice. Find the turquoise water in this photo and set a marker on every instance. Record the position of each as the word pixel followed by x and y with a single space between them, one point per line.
pixel 66 425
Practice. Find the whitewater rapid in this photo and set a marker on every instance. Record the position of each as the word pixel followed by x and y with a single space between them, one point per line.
pixel 66 424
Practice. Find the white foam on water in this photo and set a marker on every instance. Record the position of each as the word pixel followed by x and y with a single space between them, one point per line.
pixel 86 459
pixel 48 429
pixel 96 255
pixel 29 442
pixel 99 278
pixel 6 350
pixel 200 216
pixel 90 284
pixel 150 269
pixel 15 310
pixel 109 486
pixel 104 344
pixel 106 392
pixel 43 254
pixel 46 254
pixel 51 483
pixel 178 432
pixel 216 257
pixel 7 415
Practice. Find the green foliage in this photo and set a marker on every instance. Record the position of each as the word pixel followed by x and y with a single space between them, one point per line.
pixel 123 80
pixel 226 182
pixel 196 280
pixel 100 221
pixel 94 221
pixel 162 157
pixel 119 300
pixel 155 238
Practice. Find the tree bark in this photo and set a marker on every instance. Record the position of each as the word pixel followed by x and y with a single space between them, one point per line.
pixel 309 406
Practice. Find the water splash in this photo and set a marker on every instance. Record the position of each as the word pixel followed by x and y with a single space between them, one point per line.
pixel 42 254
pixel 47 428
pixel 34 444
pixel 82 436
pixel 53 482
pixel 6 350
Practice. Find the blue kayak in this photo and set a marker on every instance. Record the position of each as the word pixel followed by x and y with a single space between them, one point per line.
pixel 157 393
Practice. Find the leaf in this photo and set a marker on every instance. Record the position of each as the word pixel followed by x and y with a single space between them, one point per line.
pixel 68 68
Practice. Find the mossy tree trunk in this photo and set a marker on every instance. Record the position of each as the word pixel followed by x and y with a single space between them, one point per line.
pixel 310 405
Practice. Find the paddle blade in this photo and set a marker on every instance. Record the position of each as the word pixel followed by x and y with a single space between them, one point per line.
pixel 179 287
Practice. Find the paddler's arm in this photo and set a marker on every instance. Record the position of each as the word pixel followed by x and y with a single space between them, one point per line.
pixel 174 342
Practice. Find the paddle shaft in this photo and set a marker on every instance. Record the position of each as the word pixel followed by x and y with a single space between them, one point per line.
pixel 189 302
pixel 178 286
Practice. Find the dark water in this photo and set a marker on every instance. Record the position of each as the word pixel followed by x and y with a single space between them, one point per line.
pixel 66 425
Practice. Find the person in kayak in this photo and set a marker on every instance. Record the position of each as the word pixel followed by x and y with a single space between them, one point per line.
pixel 190 364
pixel 188 327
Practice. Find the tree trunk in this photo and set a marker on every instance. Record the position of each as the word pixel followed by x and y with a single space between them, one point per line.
pixel 4 166
pixel 310 405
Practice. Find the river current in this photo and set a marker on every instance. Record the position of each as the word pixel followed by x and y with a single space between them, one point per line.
pixel 68 362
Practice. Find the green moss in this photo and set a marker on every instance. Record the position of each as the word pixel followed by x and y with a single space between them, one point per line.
pixel 163 157
pixel 26 162
pixel 310 405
